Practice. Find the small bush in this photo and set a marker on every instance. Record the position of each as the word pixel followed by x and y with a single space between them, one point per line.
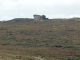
pixel 57 45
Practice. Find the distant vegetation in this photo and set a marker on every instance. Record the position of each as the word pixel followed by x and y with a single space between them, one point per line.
pixel 21 20
pixel 57 39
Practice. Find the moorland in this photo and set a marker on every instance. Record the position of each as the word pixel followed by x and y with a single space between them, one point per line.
pixel 27 39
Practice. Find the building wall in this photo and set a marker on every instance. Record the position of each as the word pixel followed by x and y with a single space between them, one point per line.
pixel 37 18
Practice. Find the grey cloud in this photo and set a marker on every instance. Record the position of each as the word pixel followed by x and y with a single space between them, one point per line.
pixel 18 10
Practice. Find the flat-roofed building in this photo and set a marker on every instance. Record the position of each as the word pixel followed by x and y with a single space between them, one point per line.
pixel 37 17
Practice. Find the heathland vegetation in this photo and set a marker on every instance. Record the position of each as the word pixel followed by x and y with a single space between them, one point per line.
pixel 27 39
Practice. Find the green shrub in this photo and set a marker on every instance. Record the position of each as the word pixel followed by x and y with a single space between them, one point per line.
pixel 56 45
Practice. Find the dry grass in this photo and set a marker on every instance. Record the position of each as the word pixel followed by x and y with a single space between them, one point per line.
pixel 46 39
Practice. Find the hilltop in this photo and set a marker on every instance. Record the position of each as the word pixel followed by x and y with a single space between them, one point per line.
pixel 54 38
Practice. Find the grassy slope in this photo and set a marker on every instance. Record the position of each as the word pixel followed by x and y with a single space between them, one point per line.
pixel 47 39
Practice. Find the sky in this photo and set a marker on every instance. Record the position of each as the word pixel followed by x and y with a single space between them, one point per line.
pixel 10 9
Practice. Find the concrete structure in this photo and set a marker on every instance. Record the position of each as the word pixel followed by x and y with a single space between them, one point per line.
pixel 37 17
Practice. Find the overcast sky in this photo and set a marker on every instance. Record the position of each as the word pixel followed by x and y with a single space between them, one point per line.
pixel 10 9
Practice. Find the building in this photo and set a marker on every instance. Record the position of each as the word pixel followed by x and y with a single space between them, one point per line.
pixel 37 17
